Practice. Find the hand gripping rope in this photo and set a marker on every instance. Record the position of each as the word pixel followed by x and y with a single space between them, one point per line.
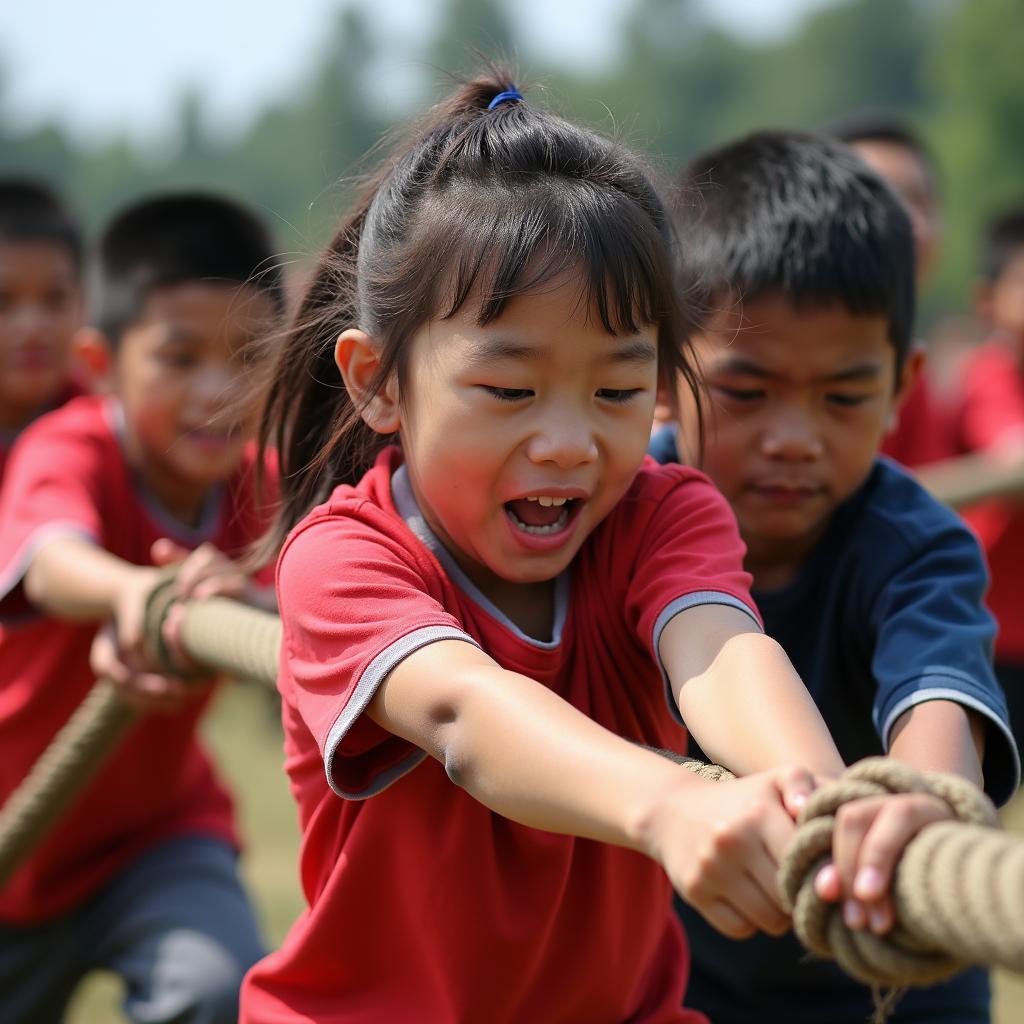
pixel 958 889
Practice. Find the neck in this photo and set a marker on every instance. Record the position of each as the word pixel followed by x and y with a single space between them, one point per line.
pixel 775 564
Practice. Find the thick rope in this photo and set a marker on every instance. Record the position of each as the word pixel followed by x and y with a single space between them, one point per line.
pixel 221 635
pixel 958 890
pixel 943 910
pixel 71 761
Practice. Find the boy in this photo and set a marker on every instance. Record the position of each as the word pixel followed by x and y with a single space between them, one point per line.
pixel 893 150
pixel 992 420
pixel 873 589
pixel 40 304
pixel 140 876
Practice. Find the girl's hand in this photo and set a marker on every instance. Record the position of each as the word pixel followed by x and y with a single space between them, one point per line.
pixel 720 845
pixel 867 841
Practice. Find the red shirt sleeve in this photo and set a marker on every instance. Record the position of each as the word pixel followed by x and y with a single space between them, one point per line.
pixel 357 595
pixel 993 400
pixel 691 553
pixel 53 487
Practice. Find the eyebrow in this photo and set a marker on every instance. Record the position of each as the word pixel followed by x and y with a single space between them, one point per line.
pixel 748 368
pixel 503 349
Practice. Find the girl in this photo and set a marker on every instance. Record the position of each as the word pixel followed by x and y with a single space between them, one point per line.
pixel 476 628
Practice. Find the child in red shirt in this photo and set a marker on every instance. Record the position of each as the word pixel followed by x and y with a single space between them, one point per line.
pixel 40 305
pixel 992 420
pixel 140 876
pixel 483 626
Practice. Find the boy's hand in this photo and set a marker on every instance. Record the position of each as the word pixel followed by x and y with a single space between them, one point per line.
pixel 721 843
pixel 148 691
pixel 204 572
pixel 867 840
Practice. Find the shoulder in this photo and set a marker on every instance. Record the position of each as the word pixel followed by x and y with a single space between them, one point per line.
pixel 669 511
pixel 899 515
pixel 75 444
pixel 83 421
pixel 356 528
pixel 670 495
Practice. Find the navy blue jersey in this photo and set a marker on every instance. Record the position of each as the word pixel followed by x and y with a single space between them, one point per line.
pixel 886 612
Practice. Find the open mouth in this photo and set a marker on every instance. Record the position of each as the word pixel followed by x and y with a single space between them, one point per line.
pixel 542 516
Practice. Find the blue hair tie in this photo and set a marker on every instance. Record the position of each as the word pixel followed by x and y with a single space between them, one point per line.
pixel 510 95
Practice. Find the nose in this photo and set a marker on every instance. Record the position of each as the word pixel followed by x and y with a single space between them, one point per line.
pixel 792 436
pixel 564 439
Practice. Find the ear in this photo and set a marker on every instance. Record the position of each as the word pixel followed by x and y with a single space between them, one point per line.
pixel 91 351
pixel 913 367
pixel 358 358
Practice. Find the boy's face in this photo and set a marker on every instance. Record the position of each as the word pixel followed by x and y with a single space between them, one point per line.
pixel 40 309
pixel 799 400
pixel 1002 300
pixel 910 179
pixel 180 375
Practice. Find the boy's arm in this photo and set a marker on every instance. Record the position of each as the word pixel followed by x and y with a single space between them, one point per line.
pixel 940 736
pixel 72 578
pixel 740 696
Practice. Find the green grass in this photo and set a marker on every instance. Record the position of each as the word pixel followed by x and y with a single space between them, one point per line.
pixel 244 733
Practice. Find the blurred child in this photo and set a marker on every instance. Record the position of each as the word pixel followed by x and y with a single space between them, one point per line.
pixel 923 427
pixel 40 304
pixel 478 620
pixel 140 876
pixel 992 420
pixel 873 589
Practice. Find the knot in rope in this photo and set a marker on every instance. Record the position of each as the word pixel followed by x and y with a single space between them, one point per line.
pixel 161 634
pixel 901 957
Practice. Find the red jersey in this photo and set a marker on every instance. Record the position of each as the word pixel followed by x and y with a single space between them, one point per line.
pixel 8 437
pixel 423 904
pixel 992 413
pixel 68 476
pixel 924 430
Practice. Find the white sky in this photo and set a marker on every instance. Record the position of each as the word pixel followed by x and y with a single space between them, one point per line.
pixel 106 67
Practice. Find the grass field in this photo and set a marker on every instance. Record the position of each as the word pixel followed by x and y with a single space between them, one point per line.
pixel 244 733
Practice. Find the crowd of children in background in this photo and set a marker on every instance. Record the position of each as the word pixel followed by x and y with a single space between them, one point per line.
pixel 487 588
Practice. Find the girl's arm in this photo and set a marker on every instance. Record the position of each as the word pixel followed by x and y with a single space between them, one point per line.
pixel 739 695
pixel 940 736
pixel 521 750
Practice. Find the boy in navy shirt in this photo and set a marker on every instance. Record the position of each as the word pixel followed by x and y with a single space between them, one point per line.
pixel 873 588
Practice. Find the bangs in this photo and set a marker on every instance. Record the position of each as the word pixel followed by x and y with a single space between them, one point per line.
pixel 488 248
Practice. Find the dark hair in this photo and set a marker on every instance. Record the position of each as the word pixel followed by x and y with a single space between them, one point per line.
pixel 801 215
pixel 33 212
pixel 1002 242
pixel 885 126
pixel 173 239
pixel 483 203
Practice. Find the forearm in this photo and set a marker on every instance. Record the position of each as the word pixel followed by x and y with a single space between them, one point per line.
pixel 750 711
pixel 74 579
pixel 524 752
pixel 940 736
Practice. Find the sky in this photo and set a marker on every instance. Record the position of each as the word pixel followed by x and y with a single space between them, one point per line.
pixel 106 68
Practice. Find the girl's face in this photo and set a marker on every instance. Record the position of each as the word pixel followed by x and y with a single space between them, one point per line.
pixel 520 436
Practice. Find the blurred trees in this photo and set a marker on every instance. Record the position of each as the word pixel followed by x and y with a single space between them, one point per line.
pixel 678 84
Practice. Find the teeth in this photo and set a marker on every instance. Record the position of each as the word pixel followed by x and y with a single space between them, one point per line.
pixel 554 527
pixel 546 502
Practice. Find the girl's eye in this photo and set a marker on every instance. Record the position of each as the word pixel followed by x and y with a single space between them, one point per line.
pixel 618 395
pixel 509 394
pixel 847 401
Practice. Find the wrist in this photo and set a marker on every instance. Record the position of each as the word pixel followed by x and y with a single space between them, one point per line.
pixel 658 814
